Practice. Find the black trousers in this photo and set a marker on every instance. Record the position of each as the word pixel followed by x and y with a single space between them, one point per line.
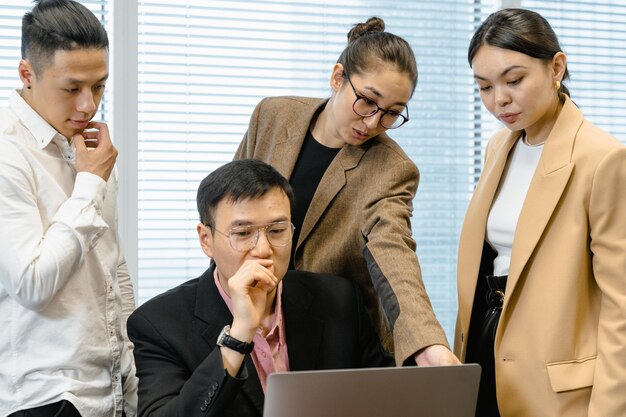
pixel 59 409
pixel 488 301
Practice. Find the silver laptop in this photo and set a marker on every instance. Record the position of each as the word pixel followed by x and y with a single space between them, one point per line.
pixel 437 391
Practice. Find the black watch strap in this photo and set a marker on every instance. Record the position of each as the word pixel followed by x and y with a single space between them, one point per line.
pixel 226 340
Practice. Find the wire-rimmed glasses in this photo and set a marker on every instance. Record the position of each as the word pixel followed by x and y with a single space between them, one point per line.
pixel 244 238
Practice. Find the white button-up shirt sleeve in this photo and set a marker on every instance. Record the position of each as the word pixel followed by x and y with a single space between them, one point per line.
pixel 36 262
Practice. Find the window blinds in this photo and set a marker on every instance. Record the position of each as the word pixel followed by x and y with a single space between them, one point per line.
pixel 593 36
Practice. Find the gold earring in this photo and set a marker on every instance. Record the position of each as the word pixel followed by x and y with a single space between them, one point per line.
pixel 557 85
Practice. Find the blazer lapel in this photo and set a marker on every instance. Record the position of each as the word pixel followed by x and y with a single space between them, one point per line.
pixel 475 224
pixel 331 183
pixel 212 310
pixel 303 330
pixel 285 156
pixel 546 188
pixel 287 149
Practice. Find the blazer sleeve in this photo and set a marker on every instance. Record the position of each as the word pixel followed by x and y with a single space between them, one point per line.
pixel 248 144
pixel 607 218
pixel 393 264
pixel 371 352
pixel 167 387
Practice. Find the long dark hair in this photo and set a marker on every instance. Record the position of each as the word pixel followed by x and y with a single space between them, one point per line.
pixel 369 46
pixel 518 30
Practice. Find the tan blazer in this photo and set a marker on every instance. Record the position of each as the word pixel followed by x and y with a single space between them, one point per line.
pixel 560 347
pixel 358 224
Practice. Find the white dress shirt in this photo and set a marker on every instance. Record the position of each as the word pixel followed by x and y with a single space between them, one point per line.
pixel 65 292
pixel 507 206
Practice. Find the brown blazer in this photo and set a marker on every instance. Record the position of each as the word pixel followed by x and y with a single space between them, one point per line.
pixel 560 347
pixel 358 224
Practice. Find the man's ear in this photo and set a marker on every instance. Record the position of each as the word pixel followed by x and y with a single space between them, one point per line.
pixel 336 77
pixel 26 72
pixel 205 235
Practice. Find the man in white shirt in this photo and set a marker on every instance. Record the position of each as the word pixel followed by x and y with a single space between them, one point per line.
pixel 65 293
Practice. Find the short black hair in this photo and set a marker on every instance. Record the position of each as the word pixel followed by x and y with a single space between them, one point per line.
pixel 238 180
pixel 54 25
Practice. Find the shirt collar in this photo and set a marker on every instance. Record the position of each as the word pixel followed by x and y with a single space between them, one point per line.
pixel 42 131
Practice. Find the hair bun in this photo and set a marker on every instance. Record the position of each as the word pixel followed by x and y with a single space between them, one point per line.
pixel 373 25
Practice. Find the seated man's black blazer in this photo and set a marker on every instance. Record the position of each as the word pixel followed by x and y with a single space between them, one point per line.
pixel 181 372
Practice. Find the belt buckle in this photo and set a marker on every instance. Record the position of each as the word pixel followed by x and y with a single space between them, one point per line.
pixel 496 299
pixel 500 299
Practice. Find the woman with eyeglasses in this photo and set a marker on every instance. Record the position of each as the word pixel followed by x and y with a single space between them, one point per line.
pixel 542 253
pixel 354 186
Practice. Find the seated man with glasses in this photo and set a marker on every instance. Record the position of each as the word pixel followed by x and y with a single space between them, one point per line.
pixel 206 347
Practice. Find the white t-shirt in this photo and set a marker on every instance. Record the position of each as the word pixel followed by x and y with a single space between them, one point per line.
pixel 507 206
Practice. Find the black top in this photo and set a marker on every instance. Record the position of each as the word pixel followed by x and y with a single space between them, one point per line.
pixel 310 167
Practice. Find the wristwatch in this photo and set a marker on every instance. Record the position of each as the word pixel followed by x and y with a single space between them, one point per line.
pixel 226 340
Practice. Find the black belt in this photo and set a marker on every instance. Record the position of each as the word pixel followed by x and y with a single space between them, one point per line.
pixel 495 293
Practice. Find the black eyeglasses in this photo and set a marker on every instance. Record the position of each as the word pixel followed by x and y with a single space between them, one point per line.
pixel 244 238
pixel 365 107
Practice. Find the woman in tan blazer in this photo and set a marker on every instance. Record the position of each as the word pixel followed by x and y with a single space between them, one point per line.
pixel 355 186
pixel 543 245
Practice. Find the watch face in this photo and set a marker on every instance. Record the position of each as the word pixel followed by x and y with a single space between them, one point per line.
pixel 225 332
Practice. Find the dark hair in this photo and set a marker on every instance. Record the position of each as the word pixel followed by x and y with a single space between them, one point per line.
pixel 521 31
pixel 370 46
pixel 238 180
pixel 59 25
